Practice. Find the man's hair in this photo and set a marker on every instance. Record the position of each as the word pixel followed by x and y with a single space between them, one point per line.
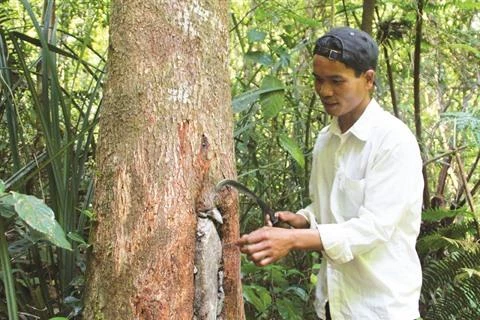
pixel 355 48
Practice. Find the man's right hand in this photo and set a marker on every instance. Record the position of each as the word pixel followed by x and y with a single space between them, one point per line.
pixel 289 219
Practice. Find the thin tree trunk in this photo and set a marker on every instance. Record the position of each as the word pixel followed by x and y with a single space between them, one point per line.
pixel 463 178
pixel 469 176
pixel 391 83
pixel 166 139
pixel 347 23
pixel 416 72
pixel 416 94
pixel 367 15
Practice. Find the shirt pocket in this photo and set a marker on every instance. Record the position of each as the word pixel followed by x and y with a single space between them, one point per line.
pixel 348 196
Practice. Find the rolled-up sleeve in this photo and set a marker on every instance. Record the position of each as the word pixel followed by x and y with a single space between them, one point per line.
pixel 391 198
pixel 308 213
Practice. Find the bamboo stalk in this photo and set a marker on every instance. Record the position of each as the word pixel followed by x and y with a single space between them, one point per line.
pixel 11 112
pixel 8 279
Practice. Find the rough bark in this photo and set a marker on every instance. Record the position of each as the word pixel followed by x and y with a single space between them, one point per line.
pixel 165 140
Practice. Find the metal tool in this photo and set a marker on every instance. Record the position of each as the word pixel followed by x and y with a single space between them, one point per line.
pixel 240 187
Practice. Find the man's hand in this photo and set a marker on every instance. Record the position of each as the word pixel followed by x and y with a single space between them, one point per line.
pixel 269 244
pixel 288 219
pixel 266 245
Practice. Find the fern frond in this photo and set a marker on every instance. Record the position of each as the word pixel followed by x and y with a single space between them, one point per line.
pixel 436 215
pixel 458 301
pixel 453 236
pixel 440 273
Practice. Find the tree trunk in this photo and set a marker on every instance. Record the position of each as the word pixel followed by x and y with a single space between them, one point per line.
pixel 416 96
pixel 367 15
pixel 165 140
pixel 391 83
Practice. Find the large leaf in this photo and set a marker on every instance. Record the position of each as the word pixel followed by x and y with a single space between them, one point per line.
pixel 259 57
pixel 41 218
pixel 287 310
pixel 244 100
pixel 293 149
pixel 278 278
pixel 258 296
pixel 272 102
pixel 300 292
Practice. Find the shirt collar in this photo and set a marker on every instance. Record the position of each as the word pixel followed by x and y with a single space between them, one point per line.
pixel 363 126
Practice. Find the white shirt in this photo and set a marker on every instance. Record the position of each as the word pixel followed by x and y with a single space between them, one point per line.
pixel 366 189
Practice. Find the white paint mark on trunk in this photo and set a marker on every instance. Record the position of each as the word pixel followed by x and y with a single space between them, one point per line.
pixel 189 16
pixel 181 94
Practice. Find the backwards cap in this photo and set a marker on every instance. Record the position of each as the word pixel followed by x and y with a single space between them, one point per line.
pixel 355 48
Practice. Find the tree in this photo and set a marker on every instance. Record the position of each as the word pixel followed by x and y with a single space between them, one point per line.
pixel 165 140
pixel 367 15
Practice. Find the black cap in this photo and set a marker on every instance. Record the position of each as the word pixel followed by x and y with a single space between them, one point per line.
pixel 355 48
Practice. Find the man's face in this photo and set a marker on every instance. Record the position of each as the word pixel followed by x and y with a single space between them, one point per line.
pixel 343 95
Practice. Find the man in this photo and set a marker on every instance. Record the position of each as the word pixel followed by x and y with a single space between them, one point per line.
pixel 366 190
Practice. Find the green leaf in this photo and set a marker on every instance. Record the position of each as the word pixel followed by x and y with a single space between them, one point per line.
pixel 2 186
pixel 259 57
pixel 468 5
pixel 255 36
pixel 293 149
pixel 77 238
pixel 278 278
pixel 258 296
pixel 58 318
pixel 300 292
pixel 471 272
pixel 89 214
pixel 287 311
pixel 272 102
pixel 307 21
pixel 464 48
pixel 244 100
pixel 7 209
pixel 41 218
pixel 433 215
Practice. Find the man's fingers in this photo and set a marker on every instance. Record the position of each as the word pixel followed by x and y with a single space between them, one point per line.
pixel 285 215
pixel 293 219
pixel 252 248
pixel 242 241
pixel 265 261
pixel 261 259
pixel 268 222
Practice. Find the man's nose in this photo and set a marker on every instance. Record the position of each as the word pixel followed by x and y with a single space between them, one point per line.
pixel 325 90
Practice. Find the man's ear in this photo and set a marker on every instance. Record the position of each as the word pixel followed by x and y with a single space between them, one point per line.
pixel 370 76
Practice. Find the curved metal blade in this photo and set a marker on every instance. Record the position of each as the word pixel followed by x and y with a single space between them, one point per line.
pixel 240 187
